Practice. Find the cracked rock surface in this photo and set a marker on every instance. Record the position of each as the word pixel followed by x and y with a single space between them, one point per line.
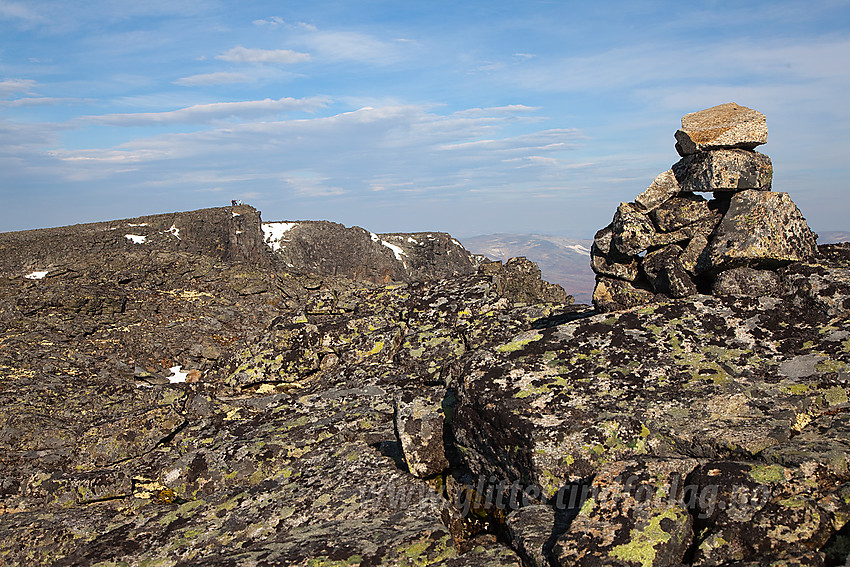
pixel 165 403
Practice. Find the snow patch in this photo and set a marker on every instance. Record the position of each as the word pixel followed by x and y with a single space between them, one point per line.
pixel 35 275
pixel 232 214
pixel 139 224
pixel 579 248
pixel 135 238
pixel 457 243
pixel 174 231
pixel 412 240
pixel 397 251
pixel 177 376
pixel 374 237
pixel 274 231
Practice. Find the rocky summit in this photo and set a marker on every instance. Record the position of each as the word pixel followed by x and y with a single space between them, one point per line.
pixel 205 388
pixel 671 241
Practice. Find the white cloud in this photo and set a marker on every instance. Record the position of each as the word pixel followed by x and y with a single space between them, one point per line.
pixel 39 101
pixel 9 87
pixel 403 150
pixel 241 54
pixel 349 46
pixel 218 78
pixel 204 113
pixel 272 22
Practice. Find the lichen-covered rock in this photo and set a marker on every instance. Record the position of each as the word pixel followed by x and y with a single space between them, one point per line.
pixel 702 378
pixel 723 126
pixel 606 261
pixel 664 187
pixel 633 231
pixel 634 513
pixel 747 281
pixel 667 274
pixel 761 229
pixel 682 211
pixel 724 170
pixel 419 425
pixel 611 294
pixel 520 281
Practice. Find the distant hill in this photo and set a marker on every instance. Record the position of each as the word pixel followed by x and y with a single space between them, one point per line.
pixel 564 261
pixel 833 236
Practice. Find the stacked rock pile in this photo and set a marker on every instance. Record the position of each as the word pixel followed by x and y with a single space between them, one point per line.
pixel 672 241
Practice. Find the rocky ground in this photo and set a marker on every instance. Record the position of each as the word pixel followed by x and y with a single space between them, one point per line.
pixel 192 400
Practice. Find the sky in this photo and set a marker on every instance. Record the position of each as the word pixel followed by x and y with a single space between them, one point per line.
pixel 471 117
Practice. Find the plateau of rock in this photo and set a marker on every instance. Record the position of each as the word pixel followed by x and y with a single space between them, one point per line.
pixel 204 388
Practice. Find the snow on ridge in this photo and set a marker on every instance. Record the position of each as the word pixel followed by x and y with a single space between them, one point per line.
pixel 274 231
pixel 36 275
pixel 137 224
pixel 396 250
pixel 578 248
pixel 174 231
pixel 135 238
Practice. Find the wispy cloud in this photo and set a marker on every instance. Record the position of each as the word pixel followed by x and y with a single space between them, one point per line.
pixel 272 22
pixel 9 87
pixel 241 54
pixel 205 113
pixel 39 101
pixel 217 78
pixel 348 46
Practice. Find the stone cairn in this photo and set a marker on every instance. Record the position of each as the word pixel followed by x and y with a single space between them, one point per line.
pixel 673 242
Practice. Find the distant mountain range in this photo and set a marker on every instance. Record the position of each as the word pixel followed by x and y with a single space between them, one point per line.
pixel 832 236
pixel 564 261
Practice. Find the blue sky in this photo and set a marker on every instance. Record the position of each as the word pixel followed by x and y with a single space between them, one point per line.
pixel 464 116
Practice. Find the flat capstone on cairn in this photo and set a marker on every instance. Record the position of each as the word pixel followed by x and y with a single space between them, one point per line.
pixel 672 242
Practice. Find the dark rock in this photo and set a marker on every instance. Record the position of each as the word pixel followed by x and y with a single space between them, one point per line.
pixel 761 229
pixel 747 281
pixel 530 529
pixel 606 261
pixel 520 281
pixel 724 170
pixel 667 274
pixel 329 248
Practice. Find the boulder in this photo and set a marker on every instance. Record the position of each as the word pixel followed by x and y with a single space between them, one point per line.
pixel 530 529
pixel 521 281
pixel 682 211
pixel 666 274
pixel 746 281
pixel 724 170
pixel 612 294
pixel 693 251
pixel 662 188
pixel 761 229
pixel 632 230
pixel 723 126
pixel 419 427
